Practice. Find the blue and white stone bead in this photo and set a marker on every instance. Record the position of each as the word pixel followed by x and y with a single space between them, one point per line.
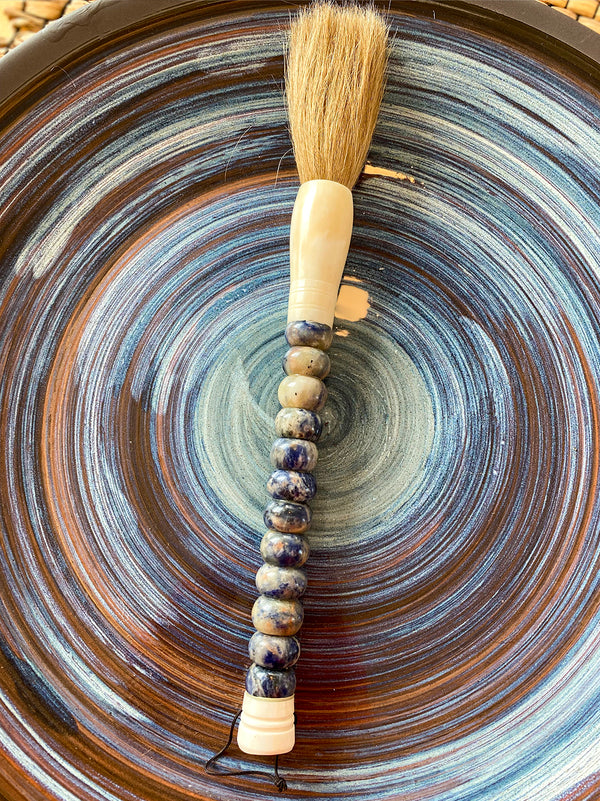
pixel 293 518
pixel 286 550
pixel 294 454
pixel 275 653
pixel 308 361
pixel 274 616
pixel 284 583
pixel 292 423
pixel 267 683
pixel 315 335
pixel 290 485
pixel 302 391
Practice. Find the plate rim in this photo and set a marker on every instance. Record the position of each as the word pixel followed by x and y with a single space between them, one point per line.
pixel 94 22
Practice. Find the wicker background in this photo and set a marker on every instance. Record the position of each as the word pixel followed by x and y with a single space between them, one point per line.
pixel 20 19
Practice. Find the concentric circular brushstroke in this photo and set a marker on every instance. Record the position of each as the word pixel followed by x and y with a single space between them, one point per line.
pixel 451 645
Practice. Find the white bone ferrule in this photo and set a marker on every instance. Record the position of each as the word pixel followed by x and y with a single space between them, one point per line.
pixel 266 725
pixel 319 242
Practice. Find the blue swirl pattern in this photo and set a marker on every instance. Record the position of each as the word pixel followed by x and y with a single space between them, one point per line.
pixel 451 640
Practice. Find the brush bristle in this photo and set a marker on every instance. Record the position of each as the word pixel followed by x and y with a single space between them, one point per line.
pixel 334 83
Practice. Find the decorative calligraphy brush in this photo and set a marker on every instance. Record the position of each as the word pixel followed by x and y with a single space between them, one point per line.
pixel 334 84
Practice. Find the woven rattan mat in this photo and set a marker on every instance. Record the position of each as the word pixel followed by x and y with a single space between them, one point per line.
pixel 20 19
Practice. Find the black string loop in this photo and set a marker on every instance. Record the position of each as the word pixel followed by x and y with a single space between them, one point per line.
pixel 213 770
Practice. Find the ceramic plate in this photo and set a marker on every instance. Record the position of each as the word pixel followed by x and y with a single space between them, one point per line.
pixel 451 646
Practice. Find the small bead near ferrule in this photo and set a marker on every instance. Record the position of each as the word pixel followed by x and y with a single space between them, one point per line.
pixel 304 332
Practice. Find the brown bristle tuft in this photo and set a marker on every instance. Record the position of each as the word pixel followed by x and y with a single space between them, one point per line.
pixel 335 78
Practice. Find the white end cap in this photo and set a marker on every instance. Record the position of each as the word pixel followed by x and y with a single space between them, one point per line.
pixel 266 725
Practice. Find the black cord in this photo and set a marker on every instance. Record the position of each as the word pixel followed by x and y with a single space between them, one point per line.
pixel 212 769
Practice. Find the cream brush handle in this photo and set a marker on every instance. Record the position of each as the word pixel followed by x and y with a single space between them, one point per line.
pixel 320 234
pixel 319 242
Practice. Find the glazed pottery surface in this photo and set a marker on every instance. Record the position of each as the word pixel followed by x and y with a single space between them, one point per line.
pixel 451 639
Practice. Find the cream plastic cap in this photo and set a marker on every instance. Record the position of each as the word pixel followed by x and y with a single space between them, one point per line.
pixel 266 725
pixel 320 235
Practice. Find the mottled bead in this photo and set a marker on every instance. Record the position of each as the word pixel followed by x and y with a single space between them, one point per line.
pixel 266 683
pixel 286 550
pixel 281 582
pixel 293 518
pixel 272 616
pixel 306 361
pixel 302 391
pixel 277 653
pixel 298 424
pixel 315 335
pixel 288 485
pixel 294 454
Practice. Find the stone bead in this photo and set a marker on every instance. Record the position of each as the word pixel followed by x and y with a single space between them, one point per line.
pixel 281 582
pixel 293 518
pixel 286 550
pixel 306 361
pixel 302 391
pixel 288 485
pixel 266 683
pixel 294 454
pixel 315 335
pixel 279 653
pixel 272 616
pixel 298 424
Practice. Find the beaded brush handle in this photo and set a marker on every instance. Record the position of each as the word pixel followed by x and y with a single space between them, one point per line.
pixel 319 241
pixel 334 84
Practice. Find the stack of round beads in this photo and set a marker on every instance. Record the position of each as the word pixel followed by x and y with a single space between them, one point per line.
pixel 277 613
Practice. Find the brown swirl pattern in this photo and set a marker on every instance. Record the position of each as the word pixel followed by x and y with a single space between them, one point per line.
pixel 452 623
